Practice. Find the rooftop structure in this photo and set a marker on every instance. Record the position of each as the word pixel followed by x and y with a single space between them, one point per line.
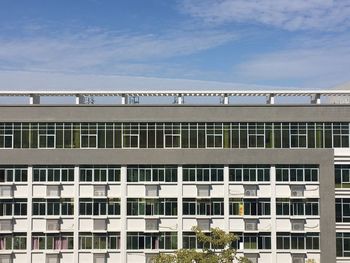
pixel 119 183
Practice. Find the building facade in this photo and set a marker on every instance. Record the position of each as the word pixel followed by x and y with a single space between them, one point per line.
pixel 121 183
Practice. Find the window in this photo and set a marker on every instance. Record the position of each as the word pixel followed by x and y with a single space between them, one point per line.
pixel 54 242
pixel 297 173
pixel 213 206
pixel 298 135
pixel 249 173
pixel 153 173
pixel 161 240
pixel 149 207
pixel 340 135
pixel 88 135
pixel 97 173
pixel 308 241
pixel 172 136
pixel 89 206
pixel 342 210
pixel 47 135
pixel 130 135
pixel 214 133
pixel 342 176
pixel 53 174
pixel 297 207
pixel 16 207
pixel 13 174
pixel 20 242
pixel 203 173
pixel 6 135
pixel 257 241
pixel 252 207
pixel 343 244
pixel 256 135
pixel 99 241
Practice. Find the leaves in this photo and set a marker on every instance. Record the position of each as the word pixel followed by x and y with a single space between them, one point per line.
pixel 216 248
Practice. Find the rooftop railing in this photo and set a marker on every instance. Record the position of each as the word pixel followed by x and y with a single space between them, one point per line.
pixel 132 97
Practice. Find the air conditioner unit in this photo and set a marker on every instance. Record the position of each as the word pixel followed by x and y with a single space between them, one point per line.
pixel 99 258
pixel 53 190
pixel 6 258
pixel 6 191
pixel 204 224
pixel 53 225
pixel 52 258
pixel 298 226
pixel 298 260
pixel 250 192
pixel 251 226
pixel 252 258
pixel 100 224
pixel 6 225
pixel 99 190
pixel 297 191
pixel 152 225
pixel 152 190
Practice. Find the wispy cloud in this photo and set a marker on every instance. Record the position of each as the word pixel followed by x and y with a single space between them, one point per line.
pixel 321 63
pixel 292 15
pixel 100 50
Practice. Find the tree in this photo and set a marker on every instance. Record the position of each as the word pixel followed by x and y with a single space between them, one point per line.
pixel 216 248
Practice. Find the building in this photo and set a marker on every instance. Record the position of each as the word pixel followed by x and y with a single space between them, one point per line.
pixel 120 183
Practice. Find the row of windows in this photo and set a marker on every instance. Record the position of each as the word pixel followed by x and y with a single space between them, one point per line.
pixel 152 173
pixel 150 207
pixel 297 207
pixel 169 207
pixel 174 135
pixel 206 207
pixel 252 207
pixel 203 173
pixel 168 240
pixel 13 207
pixel 13 174
pixel 168 173
pixel 16 241
pixel 99 241
pixel 285 241
pixel 161 240
pixel 249 173
pixel 308 241
pixel 297 173
pixel 109 207
pixel 52 241
pixel 53 206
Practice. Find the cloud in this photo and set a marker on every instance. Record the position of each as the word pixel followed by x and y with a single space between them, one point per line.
pixel 328 15
pixel 323 63
pixel 97 50
pixel 26 80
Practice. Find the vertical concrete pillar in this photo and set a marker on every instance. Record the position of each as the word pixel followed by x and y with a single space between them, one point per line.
pixel 79 99
pixel 29 214
pixel 179 206
pixel 270 99
pixel 34 99
pixel 76 215
pixel 123 208
pixel 273 214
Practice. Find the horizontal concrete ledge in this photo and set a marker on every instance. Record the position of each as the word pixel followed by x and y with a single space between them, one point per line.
pixel 175 114
pixel 165 156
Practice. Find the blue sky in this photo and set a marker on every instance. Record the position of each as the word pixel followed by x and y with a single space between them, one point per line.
pixel 282 43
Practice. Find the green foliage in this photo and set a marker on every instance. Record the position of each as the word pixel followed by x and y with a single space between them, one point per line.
pixel 216 249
